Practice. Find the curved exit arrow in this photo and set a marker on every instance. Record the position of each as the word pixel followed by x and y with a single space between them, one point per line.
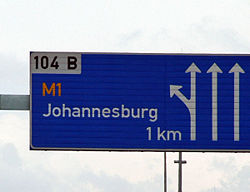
pixel 190 103
pixel 174 90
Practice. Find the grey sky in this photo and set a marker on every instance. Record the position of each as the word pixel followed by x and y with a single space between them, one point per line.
pixel 214 26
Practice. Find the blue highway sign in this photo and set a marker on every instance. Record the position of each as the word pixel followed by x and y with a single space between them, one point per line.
pixel 139 102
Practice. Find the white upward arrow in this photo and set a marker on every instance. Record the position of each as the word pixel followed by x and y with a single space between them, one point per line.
pixel 236 69
pixel 214 69
pixel 193 69
pixel 190 103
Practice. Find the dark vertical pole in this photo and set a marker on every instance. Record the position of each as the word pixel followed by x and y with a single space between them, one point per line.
pixel 165 172
pixel 180 172
pixel 180 162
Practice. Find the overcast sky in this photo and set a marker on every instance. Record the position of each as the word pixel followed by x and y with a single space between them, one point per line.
pixel 181 26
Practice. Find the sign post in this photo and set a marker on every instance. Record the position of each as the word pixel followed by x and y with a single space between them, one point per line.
pixel 165 172
pixel 180 162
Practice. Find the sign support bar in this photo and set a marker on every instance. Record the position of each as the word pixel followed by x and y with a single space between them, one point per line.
pixel 14 102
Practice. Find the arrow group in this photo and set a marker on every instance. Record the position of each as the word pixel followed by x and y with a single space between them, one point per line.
pixel 191 103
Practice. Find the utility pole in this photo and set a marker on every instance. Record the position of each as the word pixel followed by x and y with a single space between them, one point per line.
pixel 180 162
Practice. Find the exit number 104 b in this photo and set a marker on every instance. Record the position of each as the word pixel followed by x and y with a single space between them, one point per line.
pixel 55 63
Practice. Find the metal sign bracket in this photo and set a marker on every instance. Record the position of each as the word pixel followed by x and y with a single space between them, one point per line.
pixel 14 102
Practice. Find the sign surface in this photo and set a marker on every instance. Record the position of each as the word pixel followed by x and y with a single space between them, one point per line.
pixel 141 102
